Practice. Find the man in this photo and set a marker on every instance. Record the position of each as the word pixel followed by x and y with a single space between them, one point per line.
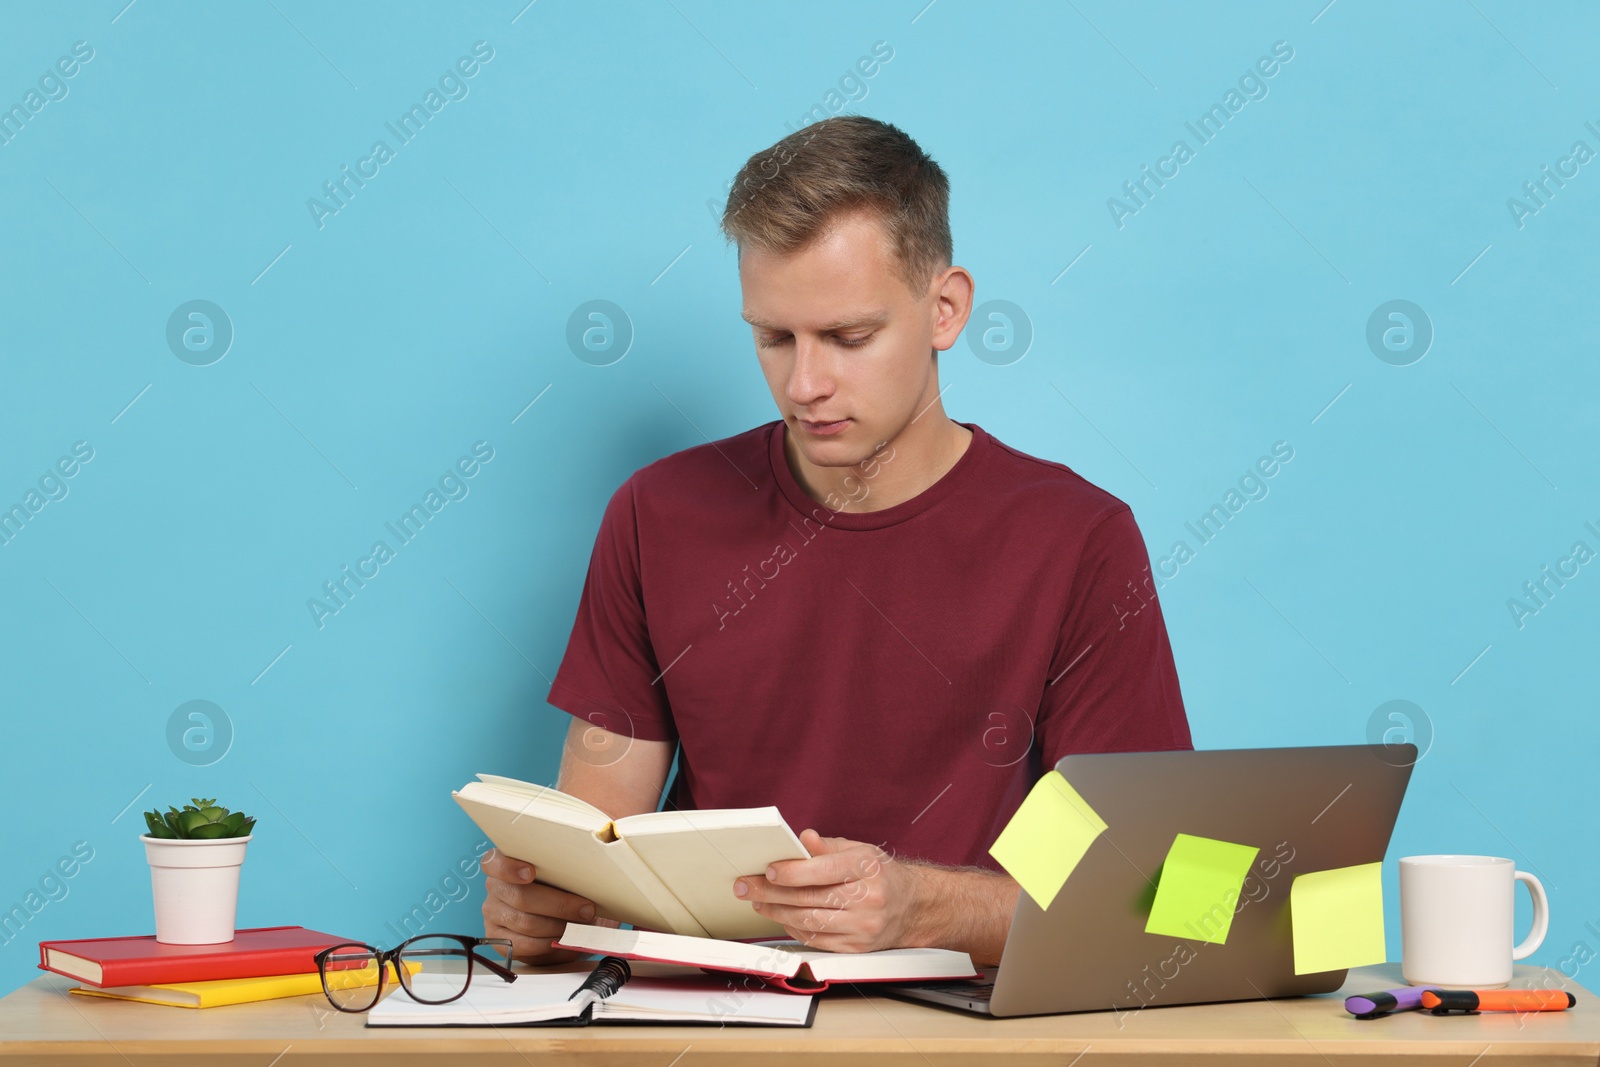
pixel 884 622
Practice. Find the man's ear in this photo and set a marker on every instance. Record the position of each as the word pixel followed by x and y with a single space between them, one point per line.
pixel 952 306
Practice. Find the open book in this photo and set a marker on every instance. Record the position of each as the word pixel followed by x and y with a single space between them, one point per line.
pixel 542 1000
pixel 786 964
pixel 665 870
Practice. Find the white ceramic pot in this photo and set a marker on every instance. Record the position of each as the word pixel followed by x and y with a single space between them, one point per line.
pixel 196 888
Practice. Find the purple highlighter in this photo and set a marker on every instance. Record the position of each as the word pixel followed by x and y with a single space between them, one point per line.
pixel 1372 1005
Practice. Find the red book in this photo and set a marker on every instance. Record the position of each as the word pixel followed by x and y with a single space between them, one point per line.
pixel 255 953
pixel 788 965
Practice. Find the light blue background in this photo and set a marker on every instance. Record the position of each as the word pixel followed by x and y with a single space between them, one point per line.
pixel 371 353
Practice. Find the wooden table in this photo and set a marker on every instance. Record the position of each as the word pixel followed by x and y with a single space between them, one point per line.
pixel 41 1024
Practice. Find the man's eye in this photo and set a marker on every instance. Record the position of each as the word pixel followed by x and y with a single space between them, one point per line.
pixel 847 342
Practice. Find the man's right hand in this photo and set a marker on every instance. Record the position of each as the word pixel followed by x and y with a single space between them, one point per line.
pixel 530 915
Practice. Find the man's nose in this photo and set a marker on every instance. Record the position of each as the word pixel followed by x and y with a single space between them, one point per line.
pixel 811 378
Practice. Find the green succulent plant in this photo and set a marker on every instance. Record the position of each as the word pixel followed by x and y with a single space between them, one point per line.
pixel 200 820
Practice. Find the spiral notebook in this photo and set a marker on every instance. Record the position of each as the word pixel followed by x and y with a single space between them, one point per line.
pixel 542 1000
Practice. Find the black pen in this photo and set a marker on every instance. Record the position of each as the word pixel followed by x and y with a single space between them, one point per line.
pixel 608 976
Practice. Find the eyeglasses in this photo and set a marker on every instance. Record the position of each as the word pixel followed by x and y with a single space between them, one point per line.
pixel 353 973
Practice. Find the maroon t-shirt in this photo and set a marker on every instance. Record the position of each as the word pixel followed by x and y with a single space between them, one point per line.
pixel 900 677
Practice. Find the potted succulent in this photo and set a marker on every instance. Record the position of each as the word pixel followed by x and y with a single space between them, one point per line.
pixel 195 855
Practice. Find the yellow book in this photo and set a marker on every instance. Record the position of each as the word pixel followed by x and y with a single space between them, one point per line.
pixel 226 990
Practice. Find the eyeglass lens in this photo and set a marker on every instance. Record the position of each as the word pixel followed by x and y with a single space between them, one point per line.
pixel 435 969
pixel 350 975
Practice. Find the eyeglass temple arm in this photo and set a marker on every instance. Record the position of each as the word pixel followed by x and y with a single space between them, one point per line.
pixel 498 968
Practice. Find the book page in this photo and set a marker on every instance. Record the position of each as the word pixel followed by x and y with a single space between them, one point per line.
pixel 676 949
pixel 488 1001
pixel 703 998
pixel 698 854
pixel 570 850
pixel 544 796
pixel 782 958
pixel 887 964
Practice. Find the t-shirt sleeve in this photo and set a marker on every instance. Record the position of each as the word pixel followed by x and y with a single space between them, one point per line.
pixel 1113 685
pixel 609 676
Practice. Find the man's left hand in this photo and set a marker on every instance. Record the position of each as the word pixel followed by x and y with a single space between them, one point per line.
pixel 848 897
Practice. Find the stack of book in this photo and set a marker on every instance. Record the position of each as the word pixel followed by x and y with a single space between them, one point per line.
pixel 258 964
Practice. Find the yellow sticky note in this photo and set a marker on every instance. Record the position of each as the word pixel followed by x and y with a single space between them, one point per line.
pixel 1199 889
pixel 1337 917
pixel 1046 838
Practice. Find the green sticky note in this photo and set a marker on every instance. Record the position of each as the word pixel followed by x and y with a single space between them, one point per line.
pixel 1046 838
pixel 1199 889
pixel 1338 918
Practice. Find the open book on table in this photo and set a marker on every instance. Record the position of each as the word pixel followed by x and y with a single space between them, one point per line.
pixel 542 1000
pixel 665 870
pixel 786 964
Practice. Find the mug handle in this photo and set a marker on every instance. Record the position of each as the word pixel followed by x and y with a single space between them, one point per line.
pixel 1541 917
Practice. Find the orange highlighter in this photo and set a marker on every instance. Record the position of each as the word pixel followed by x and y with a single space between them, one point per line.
pixel 1472 1001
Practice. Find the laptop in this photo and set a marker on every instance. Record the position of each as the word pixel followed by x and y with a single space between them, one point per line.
pixel 1305 809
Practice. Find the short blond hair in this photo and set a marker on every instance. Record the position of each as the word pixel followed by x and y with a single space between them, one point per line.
pixel 785 196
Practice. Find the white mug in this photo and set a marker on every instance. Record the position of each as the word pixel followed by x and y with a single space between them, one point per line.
pixel 1456 915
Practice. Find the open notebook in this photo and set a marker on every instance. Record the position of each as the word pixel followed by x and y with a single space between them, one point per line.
pixel 541 1000
pixel 664 870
